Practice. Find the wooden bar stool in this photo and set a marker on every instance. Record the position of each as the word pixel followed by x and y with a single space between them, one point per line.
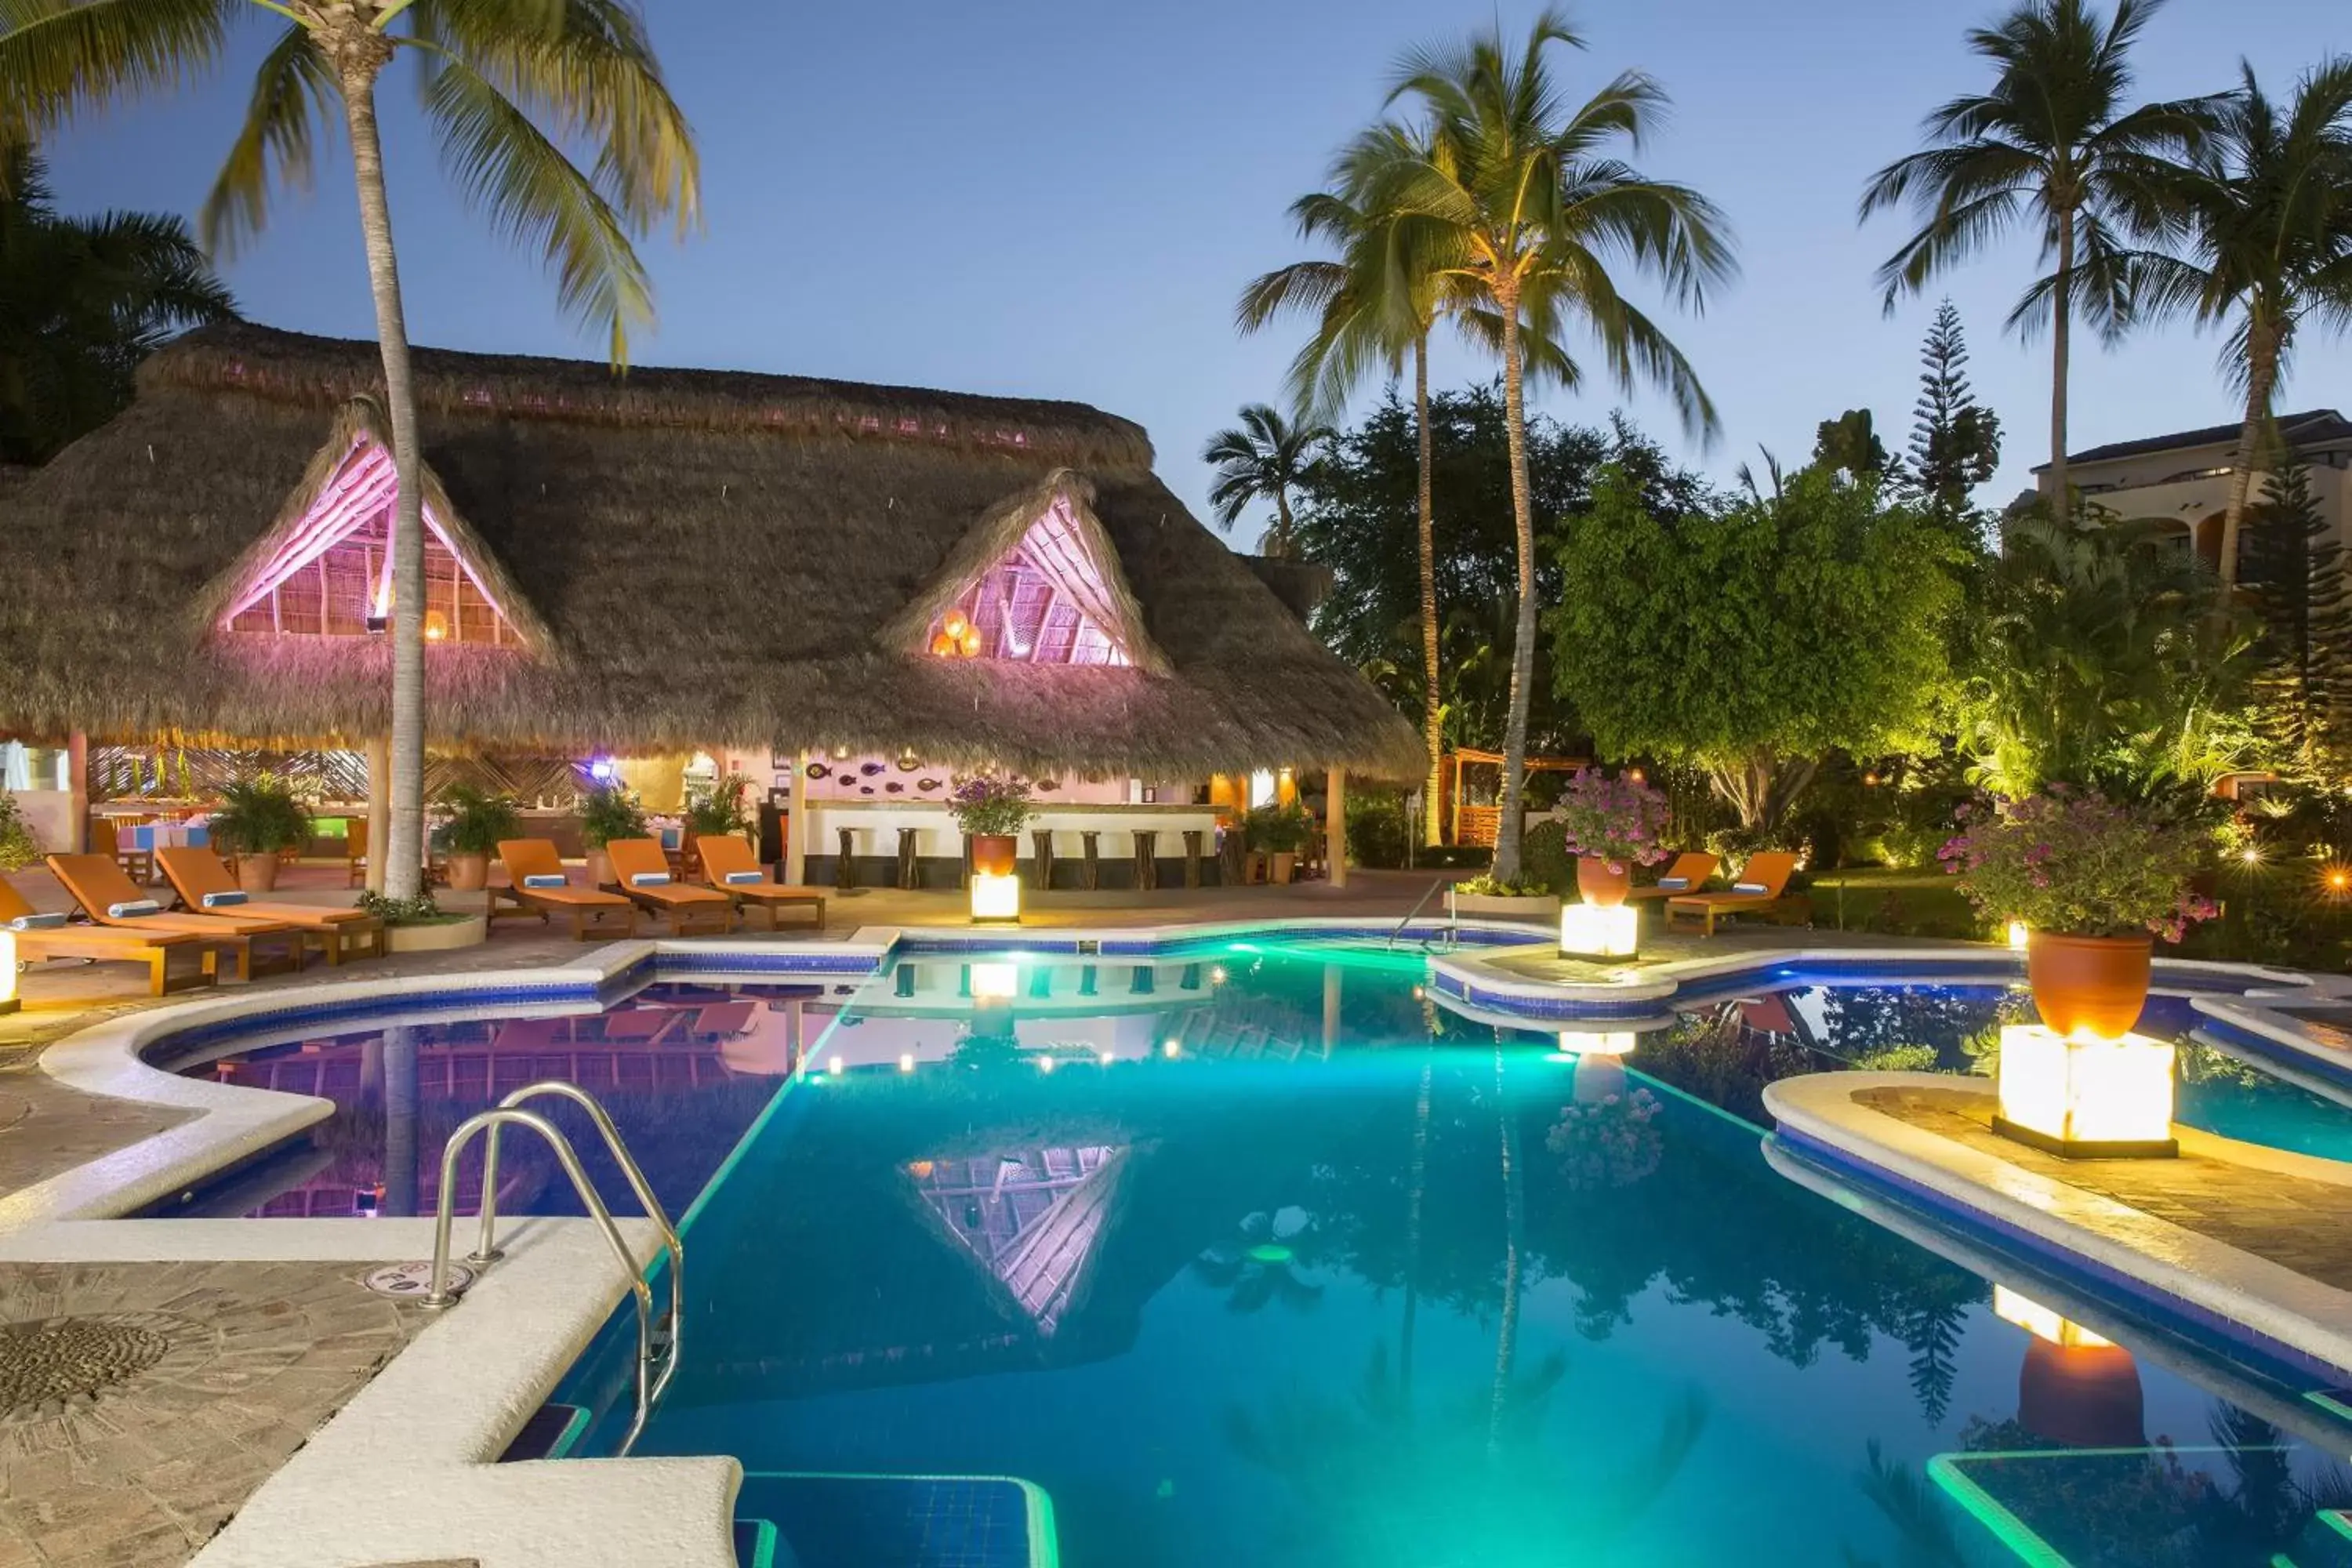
pixel 1091 878
pixel 1147 860
pixel 1191 856
pixel 911 871
pixel 1229 857
pixel 1042 850
pixel 845 865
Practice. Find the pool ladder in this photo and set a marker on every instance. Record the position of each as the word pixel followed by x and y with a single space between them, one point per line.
pixel 656 1338
pixel 1406 924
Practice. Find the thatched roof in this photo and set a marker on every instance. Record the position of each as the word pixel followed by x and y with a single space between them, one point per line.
pixel 698 559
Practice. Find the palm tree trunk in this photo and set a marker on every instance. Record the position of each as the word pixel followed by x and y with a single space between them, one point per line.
pixel 1523 634
pixel 1506 1332
pixel 1432 720
pixel 1281 548
pixel 359 61
pixel 1416 1186
pixel 2060 322
pixel 2262 378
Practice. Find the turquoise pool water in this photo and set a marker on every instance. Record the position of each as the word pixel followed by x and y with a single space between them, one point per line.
pixel 1258 1257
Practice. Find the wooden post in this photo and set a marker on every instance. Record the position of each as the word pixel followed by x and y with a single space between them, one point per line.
pixel 379 808
pixel 78 795
pixel 1332 983
pixel 1335 831
pixel 796 823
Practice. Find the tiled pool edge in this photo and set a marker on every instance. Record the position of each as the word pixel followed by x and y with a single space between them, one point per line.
pixel 2282 1316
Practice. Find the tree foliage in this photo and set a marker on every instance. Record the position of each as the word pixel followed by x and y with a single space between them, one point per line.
pixel 1849 444
pixel 1954 440
pixel 1754 634
pixel 1263 458
pixel 2295 580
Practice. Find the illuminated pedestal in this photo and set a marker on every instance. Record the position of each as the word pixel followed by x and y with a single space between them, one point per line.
pixel 995 896
pixel 1591 1043
pixel 7 969
pixel 1596 930
pixel 2084 1098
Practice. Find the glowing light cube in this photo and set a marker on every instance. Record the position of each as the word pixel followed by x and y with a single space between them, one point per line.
pixel 9 1003
pixel 1594 931
pixel 2042 1323
pixel 2084 1098
pixel 1588 1043
pixel 995 896
pixel 995 982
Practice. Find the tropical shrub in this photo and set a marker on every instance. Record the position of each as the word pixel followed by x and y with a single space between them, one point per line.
pixel 988 806
pixel 2080 865
pixel 413 911
pixel 1545 858
pixel 1377 832
pixel 1488 886
pixel 474 820
pixel 718 809
pixel 1275 829
pixel 608 811
pixel 17 845
pixel 1617 820
pixel 259 814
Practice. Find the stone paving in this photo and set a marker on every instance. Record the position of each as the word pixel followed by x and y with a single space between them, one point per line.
pixel 2300 1223
pixel 141 1402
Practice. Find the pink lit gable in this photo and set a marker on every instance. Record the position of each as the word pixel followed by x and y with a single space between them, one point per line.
pixel 327 571
pixel 1047 601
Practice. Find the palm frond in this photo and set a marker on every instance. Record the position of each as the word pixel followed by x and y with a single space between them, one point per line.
pixel 60 59
pixel 292 87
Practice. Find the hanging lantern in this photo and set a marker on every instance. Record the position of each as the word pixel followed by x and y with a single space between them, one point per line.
pixel 971 642
pixel 943 645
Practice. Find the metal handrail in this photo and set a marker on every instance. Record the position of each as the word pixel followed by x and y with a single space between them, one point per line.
pixel 1414 914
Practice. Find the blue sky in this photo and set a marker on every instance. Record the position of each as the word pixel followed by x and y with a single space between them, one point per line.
pixel 1054 198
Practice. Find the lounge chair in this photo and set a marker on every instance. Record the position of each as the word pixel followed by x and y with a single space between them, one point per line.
pixel 1761 888
pixel 643 872
pixel 1688 874
pixel 96 945
pixel 204 887
pixel 531 861
pixel 98 885
pixel 729 865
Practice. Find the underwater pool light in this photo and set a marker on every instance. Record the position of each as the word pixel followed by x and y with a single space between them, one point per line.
pixel 1171 1049
pixel 834 1066
pixel 905 1061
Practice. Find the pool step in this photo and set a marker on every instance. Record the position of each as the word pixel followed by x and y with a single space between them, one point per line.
pixel 755 1543
pixel 547 1435
pixel 897 1522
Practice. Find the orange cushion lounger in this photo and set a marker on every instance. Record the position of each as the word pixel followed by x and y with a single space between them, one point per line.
pixel 534 859
pixel 644 873
pixel 198 875
pixel 1688 874
pixel 1762 889
pixel 103 945
pixel 728 865
pixel 98 885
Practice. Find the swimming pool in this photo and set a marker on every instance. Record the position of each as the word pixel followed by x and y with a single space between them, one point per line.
pixel 1256 1256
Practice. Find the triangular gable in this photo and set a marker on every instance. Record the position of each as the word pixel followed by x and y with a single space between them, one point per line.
pixel 1034 1217
pixel 1036 580
pixel 324 567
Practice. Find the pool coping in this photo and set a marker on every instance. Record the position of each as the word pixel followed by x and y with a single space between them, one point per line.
pixel 531 1318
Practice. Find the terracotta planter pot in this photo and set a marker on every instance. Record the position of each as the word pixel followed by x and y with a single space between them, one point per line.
pixel 600 867
pixel 1254 866
pixel 2095 984
pixel 1602 886
pixel 1283 863
pixel 994 852
pixel 469 873
pixel 2085 1395
pixel 257 873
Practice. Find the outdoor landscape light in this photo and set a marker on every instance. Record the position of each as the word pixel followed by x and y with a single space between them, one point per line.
pixel 2081 1097
pixel 2020 934
pixel 1599 931
pixel 8 1002
pixel 995 896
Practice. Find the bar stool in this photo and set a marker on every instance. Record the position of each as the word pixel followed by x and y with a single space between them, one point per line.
pixel 1147 860
pixel 845 865
pixel 1191 856
pixel 911 871
pixel 1091 878
pixel 1229 857
pixel 1041 840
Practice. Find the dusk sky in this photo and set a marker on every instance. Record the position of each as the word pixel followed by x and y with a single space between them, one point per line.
pixel 1062 199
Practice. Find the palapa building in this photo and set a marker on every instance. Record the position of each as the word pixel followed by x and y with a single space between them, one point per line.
pixel 851 590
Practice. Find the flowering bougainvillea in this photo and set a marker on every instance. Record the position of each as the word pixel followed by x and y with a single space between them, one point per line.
pixel 988 805
pixel 1616 819
pixel 1607 1143
pixel 2078 864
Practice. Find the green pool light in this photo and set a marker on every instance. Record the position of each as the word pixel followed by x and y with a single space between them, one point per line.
pixel 1269 1252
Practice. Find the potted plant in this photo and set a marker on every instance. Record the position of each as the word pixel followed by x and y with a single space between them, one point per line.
pixel 473 821
pixel 259 820
pixel 991 810
pixel 608 812
pixel 718 810
pixel 1529 898
pixel 1276 833
pixel 2092 880
pixel 1611 825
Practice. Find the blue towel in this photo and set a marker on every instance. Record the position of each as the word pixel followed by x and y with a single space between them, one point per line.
pixel 221 900
pixel 1749 888
pixel 49 922
pixel 544 880
pixel 1674 884
pixel 650 879
pixel 738 878
pixel 131 908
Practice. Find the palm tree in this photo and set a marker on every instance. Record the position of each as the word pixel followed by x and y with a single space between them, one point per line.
pixel 82 301
pixel 1516 203
pixel 2269 218
pixel 507 87
pixel 1263 459
pixel 2053 145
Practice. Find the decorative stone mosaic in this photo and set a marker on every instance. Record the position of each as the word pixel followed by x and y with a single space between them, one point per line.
pixel 50 1361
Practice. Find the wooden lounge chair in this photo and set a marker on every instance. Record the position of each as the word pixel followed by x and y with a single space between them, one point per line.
pixel 1688 874
pixel 1761 888
pixel 98 884
pixel 589 909
pixel 637 862
pixel 729 865
pixel 199 874
pixel 200 955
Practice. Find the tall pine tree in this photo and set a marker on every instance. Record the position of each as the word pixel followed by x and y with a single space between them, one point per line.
pixel 2293 574
pixel 1955 443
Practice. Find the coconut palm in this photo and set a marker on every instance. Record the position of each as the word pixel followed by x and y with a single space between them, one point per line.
pixel 1263 459
pixel 508 88
pixel 1515 203
pixel 82 301
pixel 2268 210
pixel 2053 145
